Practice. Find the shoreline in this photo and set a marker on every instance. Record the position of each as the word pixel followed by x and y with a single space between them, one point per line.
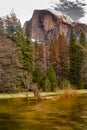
pixel 46 95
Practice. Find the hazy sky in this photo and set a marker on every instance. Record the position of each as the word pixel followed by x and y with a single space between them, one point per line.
pixel 24 8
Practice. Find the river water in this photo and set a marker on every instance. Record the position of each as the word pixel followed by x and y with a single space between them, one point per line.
pixel 60 113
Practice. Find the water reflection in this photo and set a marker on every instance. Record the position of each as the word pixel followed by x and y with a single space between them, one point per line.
pixel 9 121
pixel 65 113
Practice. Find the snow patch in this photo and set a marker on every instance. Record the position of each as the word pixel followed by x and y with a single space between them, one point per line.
pixel 62 16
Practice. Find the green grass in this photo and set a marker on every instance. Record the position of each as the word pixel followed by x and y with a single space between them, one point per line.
pixel 82 91
pixel 42 94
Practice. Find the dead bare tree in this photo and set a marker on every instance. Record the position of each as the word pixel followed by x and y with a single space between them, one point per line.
pixel 30 86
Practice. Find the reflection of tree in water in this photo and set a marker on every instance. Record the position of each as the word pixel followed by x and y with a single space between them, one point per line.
pixel 77 110
pixel 9 122
pixel 73 9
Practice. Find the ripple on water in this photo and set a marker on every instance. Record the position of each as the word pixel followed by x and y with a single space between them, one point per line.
pixel 85 117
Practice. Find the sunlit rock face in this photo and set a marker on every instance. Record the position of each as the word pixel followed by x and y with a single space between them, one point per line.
pixel 76 9
pixel 44 25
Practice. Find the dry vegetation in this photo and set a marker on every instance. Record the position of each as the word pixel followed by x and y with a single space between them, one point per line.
pixel 46 95
pixel 9 71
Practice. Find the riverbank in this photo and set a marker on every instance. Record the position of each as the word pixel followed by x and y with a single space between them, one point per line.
pixel 44 94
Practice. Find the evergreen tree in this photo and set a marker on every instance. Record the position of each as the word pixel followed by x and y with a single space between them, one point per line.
pixel 84 68
pixel 27 32
pixel 1 27
pixel 59 57
pixel 52 78
pixel 54 59
pixel 39 57
pixel 37 76
pixel 76 59
pixel 26 59
pixel 82 39
pixel 64 57
pixel 45 83
pixel 12 24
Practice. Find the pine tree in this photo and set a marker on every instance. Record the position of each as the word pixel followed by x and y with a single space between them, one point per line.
pixel 27 32
pixel 45 83
pixel 39 57
pixel 76 59
pixel 52 78
pixel 59 57
pixel 1 27
pixel 82 39
pixel 64 57
pixel 12 24
pixel 54 59
pixel 26 59
pixel 37 76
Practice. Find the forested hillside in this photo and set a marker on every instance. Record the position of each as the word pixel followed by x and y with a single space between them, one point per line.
pixel 56 59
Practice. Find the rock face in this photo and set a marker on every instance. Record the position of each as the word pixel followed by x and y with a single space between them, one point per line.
pixel 44 25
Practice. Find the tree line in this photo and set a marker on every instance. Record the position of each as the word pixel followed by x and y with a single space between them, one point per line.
pixel 65 60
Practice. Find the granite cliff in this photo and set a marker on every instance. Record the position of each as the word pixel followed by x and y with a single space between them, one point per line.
pixel 44 25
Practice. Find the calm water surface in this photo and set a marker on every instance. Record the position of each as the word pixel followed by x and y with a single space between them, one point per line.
pixel 65 113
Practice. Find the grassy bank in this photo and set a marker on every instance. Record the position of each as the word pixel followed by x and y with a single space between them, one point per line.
pixel 43 94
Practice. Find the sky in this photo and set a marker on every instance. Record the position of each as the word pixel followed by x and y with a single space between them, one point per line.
pixel 76 9
pixel 24 8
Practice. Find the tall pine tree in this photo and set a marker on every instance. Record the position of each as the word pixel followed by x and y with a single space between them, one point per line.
pixel 52 78
pixel 1 27
pixel 26 59
pixel 64 57
pixel 82 39
pixel 76 59
pixel 12 24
